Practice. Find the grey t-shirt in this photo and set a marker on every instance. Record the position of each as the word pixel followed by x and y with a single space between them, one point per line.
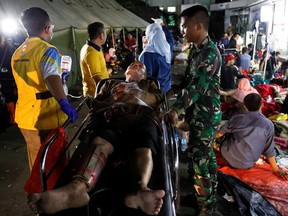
pixel 249 135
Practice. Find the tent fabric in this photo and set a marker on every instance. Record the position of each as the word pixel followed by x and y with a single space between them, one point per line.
pixel 76 13
pixel 71 18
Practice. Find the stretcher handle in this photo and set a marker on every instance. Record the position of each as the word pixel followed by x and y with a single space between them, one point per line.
pixel 44 153
pixel 170 163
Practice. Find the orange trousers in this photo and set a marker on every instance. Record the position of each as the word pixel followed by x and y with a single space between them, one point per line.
pixel 33 139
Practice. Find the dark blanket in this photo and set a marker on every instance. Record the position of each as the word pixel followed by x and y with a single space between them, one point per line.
pixel 257 181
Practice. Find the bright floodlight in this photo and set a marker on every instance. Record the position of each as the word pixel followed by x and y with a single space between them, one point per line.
pixel 8 26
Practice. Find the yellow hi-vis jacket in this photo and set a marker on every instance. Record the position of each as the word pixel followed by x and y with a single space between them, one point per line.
pixel 32 113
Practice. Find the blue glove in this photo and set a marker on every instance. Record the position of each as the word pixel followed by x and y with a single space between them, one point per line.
pixel 67 108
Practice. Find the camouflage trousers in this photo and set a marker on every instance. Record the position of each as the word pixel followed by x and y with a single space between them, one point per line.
pixel 202 163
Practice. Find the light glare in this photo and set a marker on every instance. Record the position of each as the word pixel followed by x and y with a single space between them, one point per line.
pixel 266 13
pixel 8 26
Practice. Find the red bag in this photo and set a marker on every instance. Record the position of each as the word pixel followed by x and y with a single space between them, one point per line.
pixel 33 184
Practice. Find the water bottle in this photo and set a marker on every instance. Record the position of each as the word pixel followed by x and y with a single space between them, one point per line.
pixel 177 139
pixel 183 143
pixel 66 63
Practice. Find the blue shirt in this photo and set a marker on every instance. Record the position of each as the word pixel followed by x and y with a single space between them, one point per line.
pixel 225 42
pixel 245 61
pixel 249 135
pixel 157 67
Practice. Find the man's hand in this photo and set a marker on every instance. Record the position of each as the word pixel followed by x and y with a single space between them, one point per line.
pixel 278 171
pixel 127 88
pixel 124 87
pixel 118 95
pixel 109 71
pixel 171 116
pixel 117 89
pixel 281 173
pixel 68 109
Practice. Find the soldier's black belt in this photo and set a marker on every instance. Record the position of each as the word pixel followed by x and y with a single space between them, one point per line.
pixel 43 95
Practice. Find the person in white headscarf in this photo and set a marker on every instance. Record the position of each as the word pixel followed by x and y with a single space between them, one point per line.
pixel 157 56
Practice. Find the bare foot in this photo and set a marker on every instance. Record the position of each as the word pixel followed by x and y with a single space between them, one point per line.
pixel 73 195
pixel 148 201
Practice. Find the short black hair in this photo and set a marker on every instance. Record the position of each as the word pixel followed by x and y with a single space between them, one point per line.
pixel 252 102
pixel 244 50
pixel 250 45
pixel 191 11
pixel 235 34
pixel 195 10
pixel 34 20
pixel 95 29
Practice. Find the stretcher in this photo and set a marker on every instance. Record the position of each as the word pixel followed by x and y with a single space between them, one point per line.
pixel 105 197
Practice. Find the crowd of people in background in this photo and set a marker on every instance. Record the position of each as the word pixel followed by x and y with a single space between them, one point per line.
pixel 248 60
pixel 8 93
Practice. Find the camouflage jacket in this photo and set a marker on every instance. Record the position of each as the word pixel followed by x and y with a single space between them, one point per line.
pixel 199 98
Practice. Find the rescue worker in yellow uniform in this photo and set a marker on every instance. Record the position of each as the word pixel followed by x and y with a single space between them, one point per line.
pixel 92 61
pixel 42 104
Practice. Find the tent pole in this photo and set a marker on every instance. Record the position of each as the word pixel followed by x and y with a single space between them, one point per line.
pixel 255 39
pixel 73 38
pixel 113 39
pixel 136 44
pixel 75 50
pixel 123 35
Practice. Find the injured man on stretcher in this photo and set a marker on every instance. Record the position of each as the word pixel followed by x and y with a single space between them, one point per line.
pixel 122 110
pixel 247 136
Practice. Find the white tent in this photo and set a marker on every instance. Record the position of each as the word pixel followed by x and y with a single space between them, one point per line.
pixel 76 13
pixel 71 18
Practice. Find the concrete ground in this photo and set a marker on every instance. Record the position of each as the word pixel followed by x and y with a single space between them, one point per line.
pixel 14 171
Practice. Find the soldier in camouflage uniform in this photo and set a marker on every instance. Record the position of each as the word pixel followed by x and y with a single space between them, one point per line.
pixel 203 113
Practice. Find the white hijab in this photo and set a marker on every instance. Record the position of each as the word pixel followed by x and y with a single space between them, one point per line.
pixel 157 42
